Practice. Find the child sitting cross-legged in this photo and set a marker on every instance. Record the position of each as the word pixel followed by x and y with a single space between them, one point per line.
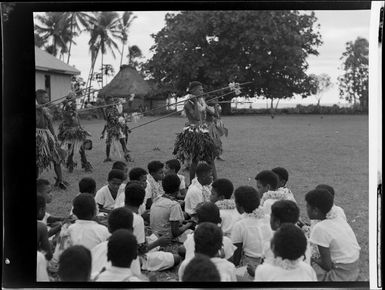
pixel 283 177
pixel 106 196
pixel 166 215
pixel 119 218
pixel 122 249
pixel 221 192
pixel 251 232
pixel 75 264
pixel 87 185
pixel 200 189
pixel 154 182
pixel 208 239
pixel 337 244
pixel 267 187
pixel 201 269
pixel 172 167
pixel 207 212
pixel 288 245
pixel 43 244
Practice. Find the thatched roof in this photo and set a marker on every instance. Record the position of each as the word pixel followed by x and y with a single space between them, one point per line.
pixel 128 81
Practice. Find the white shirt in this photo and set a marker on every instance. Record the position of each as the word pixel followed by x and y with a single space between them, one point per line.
pixel 45 218
pixel 225 268
pixel 41 268
pixel 182 181
pixel 104 197
pixel 229 218
pixel 88 233
pixel 154 189
pixel 99 260
pixel 271 272
pixel 196 194
pixel 253 233
pixel 117 274
pixel 337 235
pixel 119 200
pixel 189 245
pixel 138 225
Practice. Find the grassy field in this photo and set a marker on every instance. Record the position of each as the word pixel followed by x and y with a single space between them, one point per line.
pixel 331 149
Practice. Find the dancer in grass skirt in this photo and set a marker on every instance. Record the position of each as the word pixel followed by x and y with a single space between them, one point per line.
pixel 47 147
pixel 73 135
pixel 195 142
pixel 116 131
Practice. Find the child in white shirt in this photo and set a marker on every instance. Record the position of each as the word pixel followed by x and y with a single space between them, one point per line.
pixel 283 177
pixel 221 192
pixel 199 190
pixel 288 245
pixel 154 182
pixel 208 241
pixel 172 167
pixel 120 165
pixel 106 196
pixel 335 210
pixel 75 264
pixel 337 244
pixel 201 269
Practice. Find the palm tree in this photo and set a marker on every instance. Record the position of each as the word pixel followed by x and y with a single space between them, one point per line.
pixel 54 29
pixel 133 53
pixel 77 21
pixel 126 21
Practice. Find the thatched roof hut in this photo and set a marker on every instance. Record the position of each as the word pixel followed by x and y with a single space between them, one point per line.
pixel 128 81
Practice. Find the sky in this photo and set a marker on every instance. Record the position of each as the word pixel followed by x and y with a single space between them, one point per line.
pixel 337 28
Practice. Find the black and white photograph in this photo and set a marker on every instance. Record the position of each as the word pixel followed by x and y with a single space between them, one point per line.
pixel 198 144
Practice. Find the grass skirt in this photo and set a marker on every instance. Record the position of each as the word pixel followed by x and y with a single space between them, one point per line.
pixel 46 149
pixel 195 143
pixel 74 136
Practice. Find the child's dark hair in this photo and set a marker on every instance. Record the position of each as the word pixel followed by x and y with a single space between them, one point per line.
pixel 75 264
pixel 174 164
pixel 223 187
pixel 202 168
pixel 286 211
pixel 116 173
pixel 122 248
pixel 84 206
pixel 134 194
pixel 87 185
pixel 268 177
pixel 208 238
pixel 120 165
pixel 326 187
pixel 171 183
pixel 282 173
pixel 247 197
pixel 40 184
pixel 321 199
pixel 154 166
pixel 120 218
pixel 40 201
pixel 40 93
pixel 201 269
pixel 208 212
pixel 136 173
pixel 289 242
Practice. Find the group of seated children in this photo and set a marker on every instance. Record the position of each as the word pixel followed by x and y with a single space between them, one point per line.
pixel 220 234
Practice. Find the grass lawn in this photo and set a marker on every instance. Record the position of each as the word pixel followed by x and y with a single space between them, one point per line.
pixel 332 149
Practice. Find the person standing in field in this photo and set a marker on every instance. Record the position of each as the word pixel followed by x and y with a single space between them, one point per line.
pixel 195 142
pixel 47 147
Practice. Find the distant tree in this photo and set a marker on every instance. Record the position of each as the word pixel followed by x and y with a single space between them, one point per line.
pixel 353 84
pixel 39 41
pixel 107 70
pixel 125 23
pixel 268 48
pixel 321 83
pixel 134 53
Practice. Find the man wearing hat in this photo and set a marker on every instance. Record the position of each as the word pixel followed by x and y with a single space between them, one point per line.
pixel 73 135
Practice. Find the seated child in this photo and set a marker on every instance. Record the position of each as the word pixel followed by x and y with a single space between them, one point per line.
pixel 199 190
pixel 201 269
pixel 251 232
pixel 43 244
pixel 154 182
pixel 122 249
pixel 106 196
pixel 119 218
pixel 75 264
pixel 208 239
pixel 85 231
pixel 288 245
pixel 87 185
pixel 152 261
pixel 336 210
pixel 120 165
pixel 172 167
pixel 337 244
pixel 283 177
pixel 267 187
pixel 207 212
pixel 166 215
pixel 221 192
